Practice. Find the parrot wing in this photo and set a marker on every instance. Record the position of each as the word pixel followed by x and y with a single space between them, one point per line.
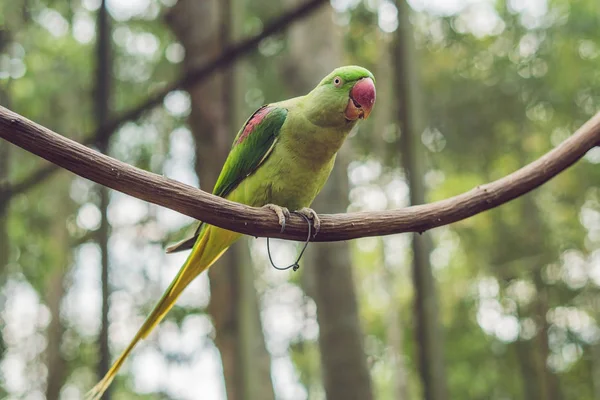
pixel 252 145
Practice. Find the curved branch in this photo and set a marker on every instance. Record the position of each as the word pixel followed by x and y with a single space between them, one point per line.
pixel 193 77
pixel 214 210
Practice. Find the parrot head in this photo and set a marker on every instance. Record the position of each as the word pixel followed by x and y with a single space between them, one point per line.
pixel 343 97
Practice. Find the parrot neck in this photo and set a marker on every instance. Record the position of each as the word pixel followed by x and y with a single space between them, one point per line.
pixel 325 109
pixel 315 143
pixel 310 131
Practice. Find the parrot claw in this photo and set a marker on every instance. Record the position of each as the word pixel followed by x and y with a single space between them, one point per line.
pixel 282 214
pixel 312 215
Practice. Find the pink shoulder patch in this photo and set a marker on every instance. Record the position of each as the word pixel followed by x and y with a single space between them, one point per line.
pixel 252 122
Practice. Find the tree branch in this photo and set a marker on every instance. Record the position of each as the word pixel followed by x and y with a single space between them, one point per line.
pixel 214 210
pixel 228 56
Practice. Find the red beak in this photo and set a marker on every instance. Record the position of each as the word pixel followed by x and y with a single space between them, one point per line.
pixel 362 99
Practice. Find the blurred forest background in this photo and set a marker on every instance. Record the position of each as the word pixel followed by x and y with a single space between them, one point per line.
pixel 504 305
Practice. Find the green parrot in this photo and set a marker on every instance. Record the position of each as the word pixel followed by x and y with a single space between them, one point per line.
pixel 280 160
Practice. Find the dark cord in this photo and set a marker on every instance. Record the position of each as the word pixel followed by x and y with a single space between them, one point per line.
pixel 295 265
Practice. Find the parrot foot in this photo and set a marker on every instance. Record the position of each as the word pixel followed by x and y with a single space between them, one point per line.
pixel 282 213
pixel 312 215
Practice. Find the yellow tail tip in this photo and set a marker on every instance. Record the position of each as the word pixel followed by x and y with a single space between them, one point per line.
pixel 97 391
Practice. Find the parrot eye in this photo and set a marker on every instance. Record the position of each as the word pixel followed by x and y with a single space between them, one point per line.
pixel 337 81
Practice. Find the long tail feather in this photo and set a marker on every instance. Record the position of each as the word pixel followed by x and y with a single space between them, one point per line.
pixel 211 244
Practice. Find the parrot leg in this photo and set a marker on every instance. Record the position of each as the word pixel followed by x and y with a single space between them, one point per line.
pixel 311 214
pixel 282 213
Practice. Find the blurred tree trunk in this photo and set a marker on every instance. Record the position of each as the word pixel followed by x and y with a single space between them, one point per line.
pixel 4 160
pixel 55 362
pixel 595 364
pixel 538 381
pixel 344 363
pixel 429 336
pixel 328 268
pixel 102 107
pixel 394 332
pixel 395 338
pixel 4 165
pixel 384 116
pixel 546 384
pixel 4 245
pixel 525 354
pixel 204 28
pixel 4 240
pixel 55 290
pixel 548 381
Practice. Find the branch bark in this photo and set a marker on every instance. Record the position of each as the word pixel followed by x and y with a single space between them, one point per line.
pixel 229 55
pixel 253 221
